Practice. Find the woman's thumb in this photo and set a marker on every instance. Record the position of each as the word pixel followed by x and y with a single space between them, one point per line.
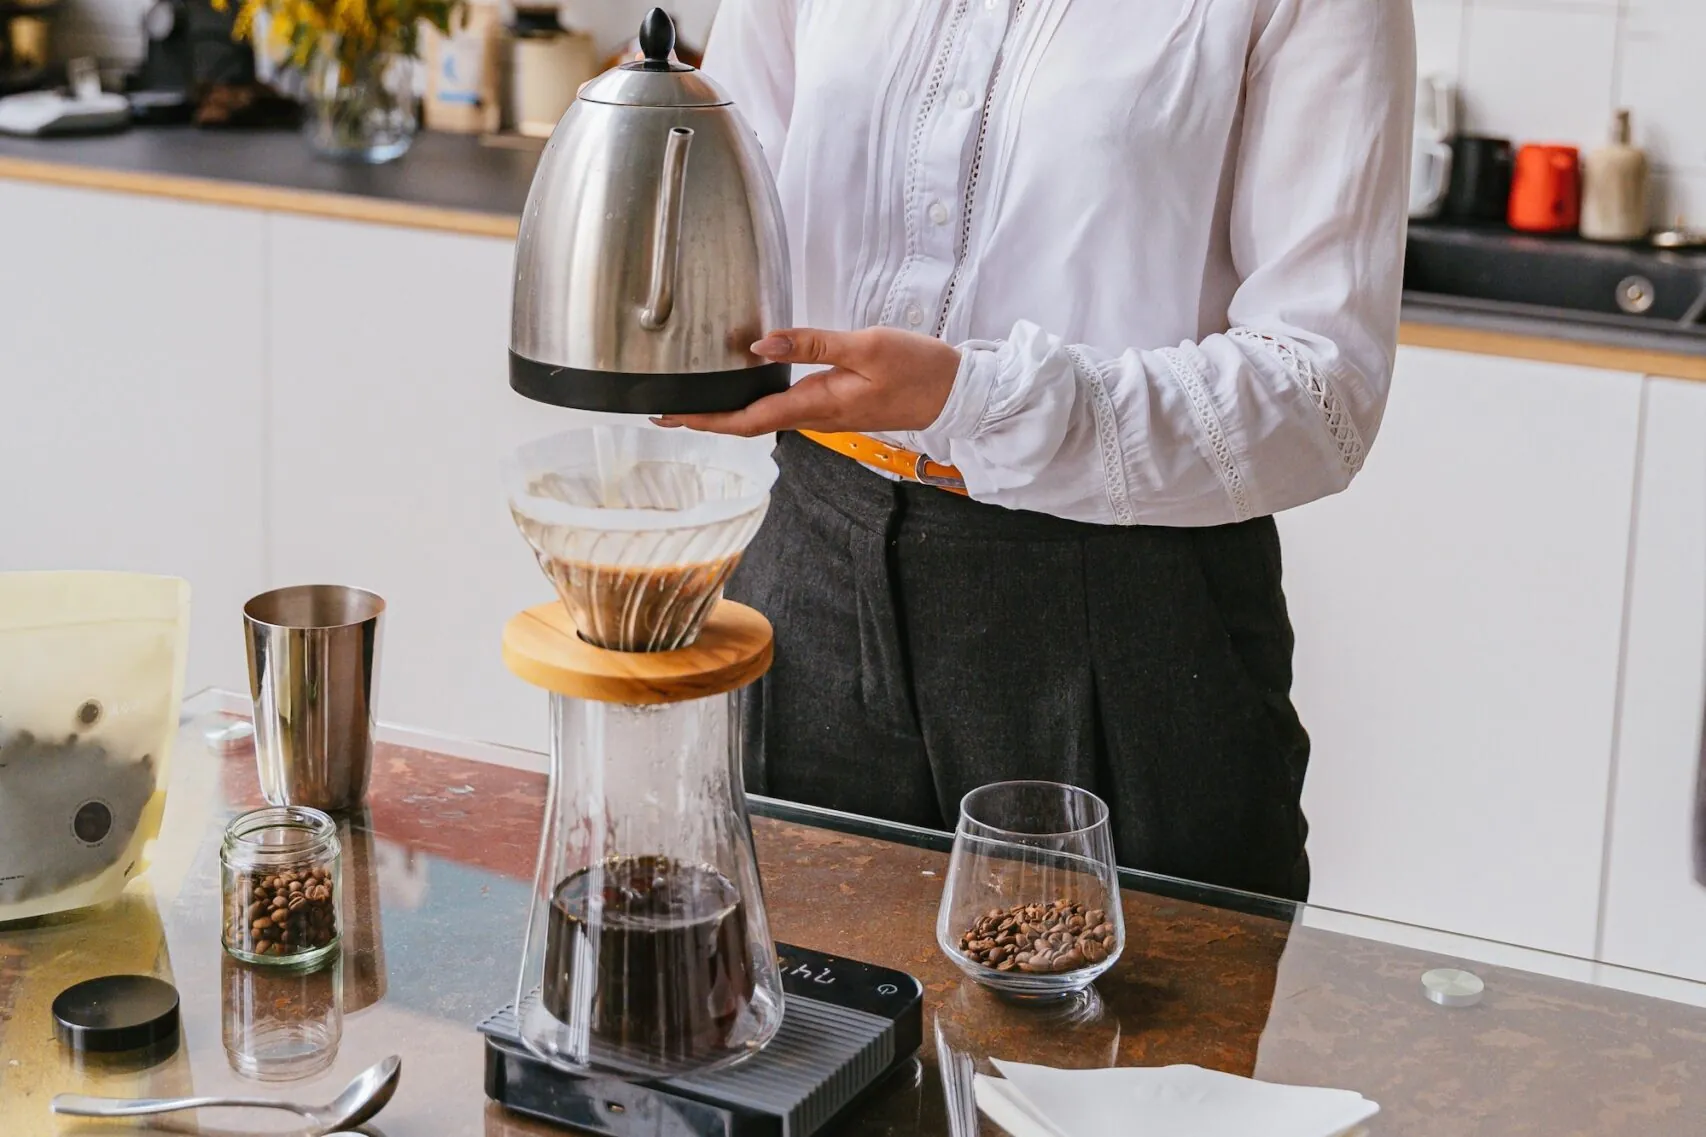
pixel 800 345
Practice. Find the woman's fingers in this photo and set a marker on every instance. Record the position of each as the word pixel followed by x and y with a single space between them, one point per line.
pixel 811 345
pixel 809 402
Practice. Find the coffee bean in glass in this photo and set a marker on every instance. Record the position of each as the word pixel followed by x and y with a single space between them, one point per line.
pixel 1061 936
pixel 279 870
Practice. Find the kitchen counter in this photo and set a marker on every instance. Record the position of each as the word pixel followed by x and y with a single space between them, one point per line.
pixel 438 874
pixel 453 182
pixel 464 184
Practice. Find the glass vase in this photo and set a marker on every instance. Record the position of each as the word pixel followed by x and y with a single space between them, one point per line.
pixel 361 110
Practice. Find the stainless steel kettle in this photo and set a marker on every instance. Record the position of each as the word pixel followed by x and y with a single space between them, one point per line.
pixel 651 253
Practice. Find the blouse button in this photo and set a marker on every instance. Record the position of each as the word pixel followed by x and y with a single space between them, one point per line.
pixel 914 315
pixel 962 98
pixel 938 213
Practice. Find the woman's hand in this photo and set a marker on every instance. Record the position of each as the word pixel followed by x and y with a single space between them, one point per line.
pixel 879 379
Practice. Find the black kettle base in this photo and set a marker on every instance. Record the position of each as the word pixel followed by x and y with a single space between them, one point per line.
pixel 668 393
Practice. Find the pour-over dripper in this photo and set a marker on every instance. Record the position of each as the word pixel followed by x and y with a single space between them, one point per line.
pixel 638 529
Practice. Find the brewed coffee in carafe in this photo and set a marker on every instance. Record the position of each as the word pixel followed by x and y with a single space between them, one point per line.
pixel 648 953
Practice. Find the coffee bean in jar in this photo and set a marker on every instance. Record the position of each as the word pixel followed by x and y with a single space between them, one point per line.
pixel 279 868
pixel 1059 936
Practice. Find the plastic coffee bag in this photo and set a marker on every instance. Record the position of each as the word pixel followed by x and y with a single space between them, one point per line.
pixel 91 676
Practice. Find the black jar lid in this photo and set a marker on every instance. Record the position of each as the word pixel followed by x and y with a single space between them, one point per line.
pixel 117 1013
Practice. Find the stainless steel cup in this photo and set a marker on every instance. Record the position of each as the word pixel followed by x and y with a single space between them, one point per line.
pixel 313 662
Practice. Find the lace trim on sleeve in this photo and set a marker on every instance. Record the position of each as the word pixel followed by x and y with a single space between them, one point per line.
pixel 1188 374
pixel 1311 378
pixel 1107 437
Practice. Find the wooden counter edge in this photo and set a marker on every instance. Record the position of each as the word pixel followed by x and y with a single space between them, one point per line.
pixel 378 211
pixel 246 195
pixel 1545 349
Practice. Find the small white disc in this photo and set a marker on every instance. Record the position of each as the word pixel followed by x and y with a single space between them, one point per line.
pixel 1450 987
pixel 230 736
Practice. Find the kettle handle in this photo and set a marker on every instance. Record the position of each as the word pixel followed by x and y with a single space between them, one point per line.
pixel 666 231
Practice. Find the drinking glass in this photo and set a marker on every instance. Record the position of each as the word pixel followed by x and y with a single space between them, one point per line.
pixel 1031 906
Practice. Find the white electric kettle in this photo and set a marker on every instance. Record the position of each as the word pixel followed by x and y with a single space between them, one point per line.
pixel 1430 161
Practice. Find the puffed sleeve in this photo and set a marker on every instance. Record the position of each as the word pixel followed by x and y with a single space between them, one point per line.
pixel 751 55
pixel 1278 410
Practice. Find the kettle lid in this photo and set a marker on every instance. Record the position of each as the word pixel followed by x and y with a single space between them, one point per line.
pixel 656 80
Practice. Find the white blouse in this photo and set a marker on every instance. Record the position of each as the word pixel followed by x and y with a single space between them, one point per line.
pixel 1167 234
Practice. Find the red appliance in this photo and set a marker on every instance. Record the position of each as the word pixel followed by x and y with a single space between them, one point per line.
pixel 1546 190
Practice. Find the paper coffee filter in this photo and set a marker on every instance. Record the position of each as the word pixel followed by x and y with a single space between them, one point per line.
pixel 633 496
pixel 91 677
pixel 638 529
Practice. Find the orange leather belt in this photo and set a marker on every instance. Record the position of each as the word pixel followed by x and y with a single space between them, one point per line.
pixel 904 464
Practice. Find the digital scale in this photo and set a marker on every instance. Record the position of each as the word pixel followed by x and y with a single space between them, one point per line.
pixel 845 1026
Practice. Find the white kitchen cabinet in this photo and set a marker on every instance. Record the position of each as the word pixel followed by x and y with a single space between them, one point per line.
pixel 1655 908
pixel 391 410
pixel 1458 615
pixel 131 395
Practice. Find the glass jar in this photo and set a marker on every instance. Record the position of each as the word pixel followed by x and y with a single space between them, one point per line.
pixel 279 874
pixel 360 109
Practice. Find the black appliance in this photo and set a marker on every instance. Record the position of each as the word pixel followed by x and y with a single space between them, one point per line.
pixel 189 49
pixel 1481 170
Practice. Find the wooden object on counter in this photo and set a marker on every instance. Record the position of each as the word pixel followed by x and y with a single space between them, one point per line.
pixel 542 647
pixel 550 63
pixel 1615 182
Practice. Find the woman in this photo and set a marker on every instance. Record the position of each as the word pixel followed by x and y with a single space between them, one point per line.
pixel 1130 272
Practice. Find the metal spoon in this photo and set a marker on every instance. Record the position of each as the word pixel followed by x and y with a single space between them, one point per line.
pixel 363 1098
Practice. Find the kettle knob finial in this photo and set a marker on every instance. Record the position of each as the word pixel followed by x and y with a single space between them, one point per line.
pixel 657 37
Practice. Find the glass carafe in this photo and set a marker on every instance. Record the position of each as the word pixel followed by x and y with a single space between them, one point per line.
pixel 648 953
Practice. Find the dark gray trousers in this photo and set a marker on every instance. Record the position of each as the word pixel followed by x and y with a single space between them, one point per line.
pixel 927 644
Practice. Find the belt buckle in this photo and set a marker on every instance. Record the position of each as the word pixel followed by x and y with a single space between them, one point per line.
pixel 940 481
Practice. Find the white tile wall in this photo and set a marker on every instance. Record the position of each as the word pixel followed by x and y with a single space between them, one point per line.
pixel 1556 70
pixel 1545 73
pixel 1530 70
pixel 109 30
pixel 1439 36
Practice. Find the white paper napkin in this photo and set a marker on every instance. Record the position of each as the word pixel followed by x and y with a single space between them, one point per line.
pixel 1161 1101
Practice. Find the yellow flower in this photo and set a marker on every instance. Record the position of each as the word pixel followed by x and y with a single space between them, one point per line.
pixel 243 28
pixel 356 28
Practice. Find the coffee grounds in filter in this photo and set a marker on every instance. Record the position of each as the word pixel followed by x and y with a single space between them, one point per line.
pixel 633 608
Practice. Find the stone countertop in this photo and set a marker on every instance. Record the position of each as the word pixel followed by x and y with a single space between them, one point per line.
pixel 455 182
pixel 437 874
pixel 478 186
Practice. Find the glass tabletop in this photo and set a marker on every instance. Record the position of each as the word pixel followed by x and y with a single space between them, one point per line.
pixel 437 875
